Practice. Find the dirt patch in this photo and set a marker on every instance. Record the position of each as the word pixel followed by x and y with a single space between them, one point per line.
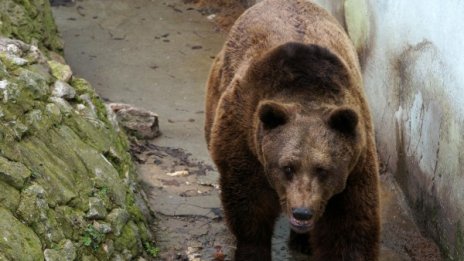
pixel 184 195
pixel 400 234
pixel 170 159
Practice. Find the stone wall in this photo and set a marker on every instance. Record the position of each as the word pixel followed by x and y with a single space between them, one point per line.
pixel 67 181
pixel 30 21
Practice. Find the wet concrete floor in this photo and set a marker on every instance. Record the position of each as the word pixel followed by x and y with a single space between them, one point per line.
pixel 156 54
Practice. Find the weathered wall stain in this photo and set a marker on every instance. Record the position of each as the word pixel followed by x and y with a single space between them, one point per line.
pixel 412 80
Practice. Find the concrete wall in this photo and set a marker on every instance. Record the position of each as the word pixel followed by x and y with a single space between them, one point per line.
pixel 414 74
pixel 414 78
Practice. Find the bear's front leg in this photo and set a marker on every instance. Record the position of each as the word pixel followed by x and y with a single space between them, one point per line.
pixel 251 208
pixel 350 227
pixel 299 242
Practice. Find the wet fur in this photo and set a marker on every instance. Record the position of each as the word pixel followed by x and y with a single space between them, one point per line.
pixel 290 52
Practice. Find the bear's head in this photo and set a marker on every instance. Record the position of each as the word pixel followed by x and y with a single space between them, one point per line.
pixel 307 138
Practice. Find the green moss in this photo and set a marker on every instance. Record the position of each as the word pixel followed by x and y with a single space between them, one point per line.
pixel 9 197
pixel 92 238
pixel 8 63
pixel 53 171
pixel 30 21
pixel 3 71
pixel 72 222
pixel 13 173
pixel 64 158
pixel 151 249
pixel 129 239
pixel 34 211
pixel 94 133
pixel 18 242
pixel 65 251
pixel 133 209
pixel 5 25
pixel 60 71
pixel 144 231
pixel 459 245
pixel 82 86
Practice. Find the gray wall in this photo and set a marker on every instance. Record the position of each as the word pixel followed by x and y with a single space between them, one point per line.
pixel 414 74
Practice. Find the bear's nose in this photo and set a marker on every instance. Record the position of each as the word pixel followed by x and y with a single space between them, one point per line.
pixel 302 213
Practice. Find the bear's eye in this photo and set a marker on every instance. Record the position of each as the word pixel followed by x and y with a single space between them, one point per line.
pixel 288 171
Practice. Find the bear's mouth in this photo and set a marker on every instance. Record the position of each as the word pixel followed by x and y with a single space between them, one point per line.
pixel 301 226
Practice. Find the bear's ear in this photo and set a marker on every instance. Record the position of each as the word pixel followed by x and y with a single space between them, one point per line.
pixel 343 120
pixel 272 114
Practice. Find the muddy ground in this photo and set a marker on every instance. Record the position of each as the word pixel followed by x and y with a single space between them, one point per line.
pixel 156 54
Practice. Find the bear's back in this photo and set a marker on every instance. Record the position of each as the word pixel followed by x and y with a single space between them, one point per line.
pixel 271 23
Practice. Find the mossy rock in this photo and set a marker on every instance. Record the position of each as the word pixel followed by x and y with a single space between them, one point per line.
pixel 63 166
pixel 13 173
pixel 18 242
pixel 30 21
pixel 9 197
pixel 65 251
pixel 129 240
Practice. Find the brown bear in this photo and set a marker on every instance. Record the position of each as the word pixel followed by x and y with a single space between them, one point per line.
pixel 289 129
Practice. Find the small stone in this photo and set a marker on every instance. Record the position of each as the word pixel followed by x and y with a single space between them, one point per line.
pixel 141 123
pixel 108 247
pixel 19 129
pixel 13 173
pixel 35 83
pixel 9 198
pixel 3 84
pixel 53 112
pixel 35 119
pixel 56 57
pixel 66 251
pixel 34 55
pixel 63 90
pixel 112 117
pixel 62 104
pixel 17 240
pixel 43 70
pixel 60 71
pixel 16 60
pixel 88 102
pixel 180 173
pixel 81 85
pixel 13 49
pixel 33 209
pixel 102 227
pixel 118 218
pixel 129 242
pixel 97 209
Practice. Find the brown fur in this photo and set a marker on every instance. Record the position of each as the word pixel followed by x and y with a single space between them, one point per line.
pixel 288 126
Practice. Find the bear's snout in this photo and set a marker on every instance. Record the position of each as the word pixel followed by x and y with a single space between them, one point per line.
pixel 301 219
pixel 302 213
